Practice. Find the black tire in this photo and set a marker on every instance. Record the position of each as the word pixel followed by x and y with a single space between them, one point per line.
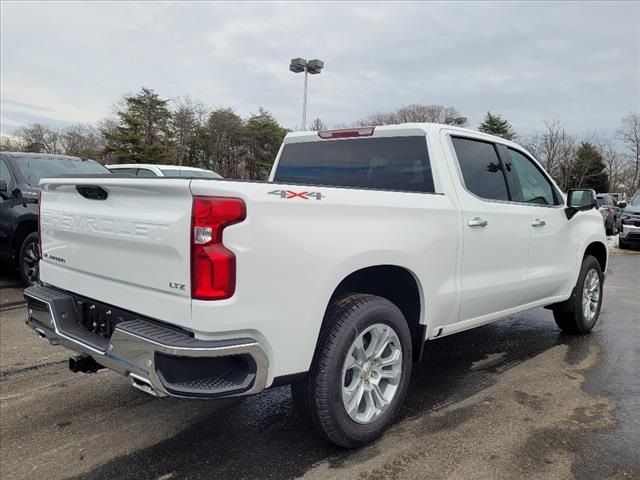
pixel 320 395
pixel 622 245
pixel 28 259
pixel 570 316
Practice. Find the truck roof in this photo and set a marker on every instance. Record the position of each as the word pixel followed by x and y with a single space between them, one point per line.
pixel 396 130
pixel 151 165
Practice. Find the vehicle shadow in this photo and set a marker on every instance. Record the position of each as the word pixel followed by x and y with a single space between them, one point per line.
pixel 264 437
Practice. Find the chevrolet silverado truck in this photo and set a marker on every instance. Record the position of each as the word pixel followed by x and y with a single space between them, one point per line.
pixel 364 244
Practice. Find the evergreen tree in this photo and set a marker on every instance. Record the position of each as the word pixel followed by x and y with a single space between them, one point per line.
pixel 496 125
pixel 143 134
pixel 264 135
pixel 588 169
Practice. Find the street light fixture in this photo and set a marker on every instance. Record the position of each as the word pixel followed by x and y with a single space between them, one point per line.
pixel 313 67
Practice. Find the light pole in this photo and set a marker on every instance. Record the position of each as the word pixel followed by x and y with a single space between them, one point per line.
pixel 313 67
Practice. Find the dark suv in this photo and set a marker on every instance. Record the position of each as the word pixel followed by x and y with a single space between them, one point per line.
pixel 630 224
pixel 20 174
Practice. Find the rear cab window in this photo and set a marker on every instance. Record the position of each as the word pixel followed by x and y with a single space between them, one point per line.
pixel 383 163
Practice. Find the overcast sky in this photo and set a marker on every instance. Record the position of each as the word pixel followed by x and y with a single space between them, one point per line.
pixel 66 63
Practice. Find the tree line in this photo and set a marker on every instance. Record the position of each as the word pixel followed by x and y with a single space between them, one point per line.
pixel 149 129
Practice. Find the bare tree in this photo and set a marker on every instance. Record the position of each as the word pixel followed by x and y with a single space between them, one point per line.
pixel 617 165
pixel 415 114
pixel 40 139
pixel 184 123
pixel 555 149
pixel 317 125
pixel 629 133
pixel 82 141
pixel 10 143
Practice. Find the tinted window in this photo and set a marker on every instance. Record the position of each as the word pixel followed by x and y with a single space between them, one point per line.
pixel 393 163
pixel 124 171
pixel 481 168
pixel 5 175
pixel 186 173
pixel 530 185
pixel 35 168
pixel 145 172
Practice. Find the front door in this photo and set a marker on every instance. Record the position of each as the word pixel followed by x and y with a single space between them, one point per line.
pixel 549 270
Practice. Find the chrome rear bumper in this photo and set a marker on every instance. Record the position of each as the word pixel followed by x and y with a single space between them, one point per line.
pixel 157 359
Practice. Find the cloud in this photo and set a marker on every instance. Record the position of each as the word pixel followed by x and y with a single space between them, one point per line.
pixel 578 62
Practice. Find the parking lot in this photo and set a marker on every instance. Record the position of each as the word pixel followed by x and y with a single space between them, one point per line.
pixel 515 399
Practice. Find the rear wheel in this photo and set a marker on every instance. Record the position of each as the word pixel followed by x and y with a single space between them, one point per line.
pixel 581 313
pixel 28 259
pixel 622 245
pixel 360 372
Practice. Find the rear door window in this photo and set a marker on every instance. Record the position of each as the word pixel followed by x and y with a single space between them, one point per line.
pixel 481 168
pixel 386 163
pixel 124 171
pixel 145 172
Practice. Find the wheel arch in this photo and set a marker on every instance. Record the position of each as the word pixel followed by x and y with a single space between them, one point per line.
pixel 397 284
pixel 598 250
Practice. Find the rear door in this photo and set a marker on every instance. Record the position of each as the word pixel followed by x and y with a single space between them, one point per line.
pixel 123 241
pixel 495 234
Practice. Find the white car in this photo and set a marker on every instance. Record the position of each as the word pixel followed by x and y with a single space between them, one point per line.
pixel 364 244
pixel 154 170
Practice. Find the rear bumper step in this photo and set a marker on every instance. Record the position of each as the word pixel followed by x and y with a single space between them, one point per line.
pixel 158 360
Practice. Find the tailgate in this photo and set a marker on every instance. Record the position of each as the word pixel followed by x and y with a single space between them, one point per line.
pixel 130 249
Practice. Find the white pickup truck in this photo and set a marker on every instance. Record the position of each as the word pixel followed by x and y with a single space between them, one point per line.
pixel 363 244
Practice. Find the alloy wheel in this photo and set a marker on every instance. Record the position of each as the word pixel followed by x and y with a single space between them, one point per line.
pixel 371 373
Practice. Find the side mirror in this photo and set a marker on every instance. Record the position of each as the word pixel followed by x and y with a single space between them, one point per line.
pixel 622 204
pixel 580 200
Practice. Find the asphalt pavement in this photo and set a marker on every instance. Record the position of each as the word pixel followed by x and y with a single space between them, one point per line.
pixel 514 399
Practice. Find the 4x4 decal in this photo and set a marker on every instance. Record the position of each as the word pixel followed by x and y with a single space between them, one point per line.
pixel 287 194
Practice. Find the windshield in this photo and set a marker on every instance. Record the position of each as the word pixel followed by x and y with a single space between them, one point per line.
pixel 35 168
pixel 635 201
pixel 178 172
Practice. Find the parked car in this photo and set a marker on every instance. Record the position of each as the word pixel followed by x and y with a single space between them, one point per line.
pixel 152 170
pixel 20 174
pixel 610 212
pixel 363 244
pixel 630 223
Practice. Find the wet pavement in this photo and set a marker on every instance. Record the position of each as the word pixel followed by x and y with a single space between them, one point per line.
pixel 515 399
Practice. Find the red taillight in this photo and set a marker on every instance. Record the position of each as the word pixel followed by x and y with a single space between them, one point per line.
pixel 347 132
pixel 213 267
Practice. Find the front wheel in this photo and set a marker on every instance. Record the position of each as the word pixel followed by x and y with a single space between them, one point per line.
pixel 360 372
pixel 28 259
pixel 582 311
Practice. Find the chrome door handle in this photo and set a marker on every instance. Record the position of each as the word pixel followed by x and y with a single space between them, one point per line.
pixel 477 222
pixel 538 222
